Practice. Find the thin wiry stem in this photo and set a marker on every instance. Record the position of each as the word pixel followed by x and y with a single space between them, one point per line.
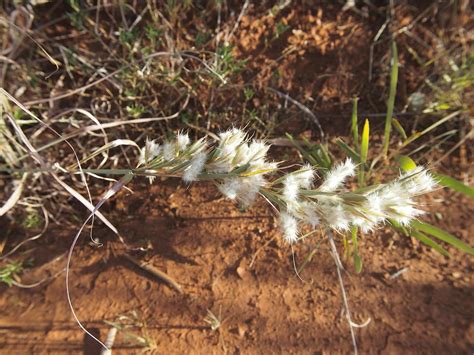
pixel 337 261
pixel 116 187
pixel 294 263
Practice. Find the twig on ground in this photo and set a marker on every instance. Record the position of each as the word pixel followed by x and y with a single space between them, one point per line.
pixel 109 341
pixel 302 107
pixel 155 272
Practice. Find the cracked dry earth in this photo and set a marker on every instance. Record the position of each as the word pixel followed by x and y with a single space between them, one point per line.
pixel 206 244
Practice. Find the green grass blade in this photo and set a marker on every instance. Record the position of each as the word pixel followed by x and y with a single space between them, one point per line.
pixel 305 153
pixel 391 98
pixel 309 257
pixel 354 128
pixel 319 153
pixel 428 241
pixel 399 128
pixel 364 148
pixel 399 227
pixel 348 150
pixel 364 145
pixel 442 235
pixel 357 258
pixel 454 184
pixel 323 155
pixel 417 135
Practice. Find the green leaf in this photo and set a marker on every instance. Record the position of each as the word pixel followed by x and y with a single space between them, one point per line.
pixel 406 163
pixel 305 153
pixel 454 184
pixel 442 235
pixel 431 243
pixel 323 156
pixel 399 128
pixel 364 148
pixel 391 97
pixel 364 145
pixel 357 258
pixel 399 227
pixel 319 153
pixel 348 150
pixel 354 128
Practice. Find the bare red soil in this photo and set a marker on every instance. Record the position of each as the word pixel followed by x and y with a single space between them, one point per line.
pixel 207 245
pixel 233 262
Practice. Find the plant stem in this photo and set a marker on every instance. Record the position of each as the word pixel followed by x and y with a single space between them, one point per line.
pixel 337 261
pixel 391 98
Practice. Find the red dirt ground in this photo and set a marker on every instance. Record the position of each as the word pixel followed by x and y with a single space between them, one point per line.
pixel 206 245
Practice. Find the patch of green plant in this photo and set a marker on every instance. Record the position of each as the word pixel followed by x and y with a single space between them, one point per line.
pixel 127 322
pixel 135 110
pixel 201 39
pixel 227 64
pixel 32 220
pixel 152 32
pixel 128 38
pixel 9 272
pixel 248 93
pixel 450 89
pixel 280 29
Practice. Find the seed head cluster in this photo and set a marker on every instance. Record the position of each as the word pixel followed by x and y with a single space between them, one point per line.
pixel 240 168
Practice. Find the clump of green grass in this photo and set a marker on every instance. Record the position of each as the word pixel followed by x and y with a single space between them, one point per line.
pixel 126 323
pixel 9 273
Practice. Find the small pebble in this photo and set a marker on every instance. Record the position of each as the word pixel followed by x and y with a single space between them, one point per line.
pixel 242 330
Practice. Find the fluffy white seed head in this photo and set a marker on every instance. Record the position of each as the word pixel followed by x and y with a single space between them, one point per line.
pixel 418 181
pixel 305 176
pixel 231 139
pixel 149 151
pixel 373 212
pixel 231 152
pixel 230 187
pixel 182 141
pixel 250 188
pixel 309 214
pixel 365 224
pixel 234 151
pixel 258 150
pixel 289 227
pixel 290 188
pixel 394 200
pixel 336 177
pixel 169 151
pixel 404 214
pixel 336 217
pixel 241 155
pixel 243 189
pixel 195 169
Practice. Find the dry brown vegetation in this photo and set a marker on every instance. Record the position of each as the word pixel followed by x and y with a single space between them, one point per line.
pixel 191 272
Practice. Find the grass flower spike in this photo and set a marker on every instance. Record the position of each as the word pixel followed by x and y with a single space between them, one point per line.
pixel 240 169
pixel 289 227
pixel 149 152
pixel 336 177
pixel 195 169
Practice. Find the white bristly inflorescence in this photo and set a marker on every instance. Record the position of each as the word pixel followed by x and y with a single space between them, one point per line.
pixel 197 165
pixel 149 151
pixel 240 168
pixel 336 177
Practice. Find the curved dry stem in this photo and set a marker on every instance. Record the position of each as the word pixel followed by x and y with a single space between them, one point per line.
pixel 337 261
pixel 116 187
